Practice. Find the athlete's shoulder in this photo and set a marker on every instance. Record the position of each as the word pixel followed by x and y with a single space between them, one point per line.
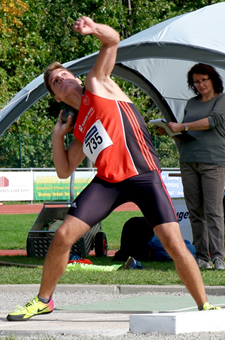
pixel 105 87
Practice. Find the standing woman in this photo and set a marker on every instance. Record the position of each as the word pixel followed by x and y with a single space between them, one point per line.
pixel 202 163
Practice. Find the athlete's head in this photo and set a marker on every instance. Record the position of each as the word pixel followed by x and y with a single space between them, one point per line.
pixel 51 74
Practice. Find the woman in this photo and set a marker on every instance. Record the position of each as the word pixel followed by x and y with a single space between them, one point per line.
pixel 202 163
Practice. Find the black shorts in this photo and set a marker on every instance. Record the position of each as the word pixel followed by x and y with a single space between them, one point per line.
pixel 147 191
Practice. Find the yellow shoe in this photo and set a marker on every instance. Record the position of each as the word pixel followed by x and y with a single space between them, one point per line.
pixel 32 308
pixel 208 306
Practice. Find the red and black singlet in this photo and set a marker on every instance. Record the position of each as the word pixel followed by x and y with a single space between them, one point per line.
pixel 115 138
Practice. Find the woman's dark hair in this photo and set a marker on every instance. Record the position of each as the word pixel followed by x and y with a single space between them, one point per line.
pixel 210 71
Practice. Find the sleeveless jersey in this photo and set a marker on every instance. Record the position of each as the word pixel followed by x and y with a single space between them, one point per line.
pixel 115 138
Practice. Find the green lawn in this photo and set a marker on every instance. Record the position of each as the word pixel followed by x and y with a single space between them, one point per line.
pixel 14 230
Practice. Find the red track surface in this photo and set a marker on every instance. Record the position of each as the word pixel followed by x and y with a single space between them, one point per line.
pixel 23 252
pixel 36 208
pixel 20 209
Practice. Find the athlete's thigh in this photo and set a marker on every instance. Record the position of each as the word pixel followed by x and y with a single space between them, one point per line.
pixel 150 194
pixel 95 202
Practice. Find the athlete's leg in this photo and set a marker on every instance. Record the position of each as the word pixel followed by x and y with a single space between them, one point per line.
pixel 150 194
pixel 55 263
pixel 187 268
pixel 95 202
pixel 56 260
pixel 90 207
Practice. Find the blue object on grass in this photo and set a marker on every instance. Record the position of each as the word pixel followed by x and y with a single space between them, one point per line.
pixel 160 252
pixel 74 257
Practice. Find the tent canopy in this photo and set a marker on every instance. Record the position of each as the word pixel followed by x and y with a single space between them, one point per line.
pixel 156 60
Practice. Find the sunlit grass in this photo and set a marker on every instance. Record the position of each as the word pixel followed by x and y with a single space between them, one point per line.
pixel 14 230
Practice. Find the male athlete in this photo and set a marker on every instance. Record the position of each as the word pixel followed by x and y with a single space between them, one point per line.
pixel 112 133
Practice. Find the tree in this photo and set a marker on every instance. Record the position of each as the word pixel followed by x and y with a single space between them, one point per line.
pixel 10 12
pixel 36 33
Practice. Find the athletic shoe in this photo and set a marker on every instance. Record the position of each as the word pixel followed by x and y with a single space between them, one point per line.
pixel 208 306
pixel 203 264
pixel 218 263
pixel 32 308
pixel 133 264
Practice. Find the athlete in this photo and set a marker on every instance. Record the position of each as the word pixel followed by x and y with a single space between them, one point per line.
pixel 112 133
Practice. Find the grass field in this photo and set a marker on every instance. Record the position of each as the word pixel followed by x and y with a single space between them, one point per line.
pixel 14 230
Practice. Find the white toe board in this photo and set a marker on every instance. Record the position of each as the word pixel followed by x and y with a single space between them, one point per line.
pixel 180 322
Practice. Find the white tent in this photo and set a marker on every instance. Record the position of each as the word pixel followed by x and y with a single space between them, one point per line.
pixel 156 59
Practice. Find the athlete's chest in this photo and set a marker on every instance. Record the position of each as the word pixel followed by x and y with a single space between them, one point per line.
pixel 96 124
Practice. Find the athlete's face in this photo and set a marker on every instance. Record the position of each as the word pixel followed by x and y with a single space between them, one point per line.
pixel 63 84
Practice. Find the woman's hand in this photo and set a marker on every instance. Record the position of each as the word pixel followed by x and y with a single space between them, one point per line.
pixel 175 127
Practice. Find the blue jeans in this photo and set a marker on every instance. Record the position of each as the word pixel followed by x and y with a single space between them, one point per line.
pixel 203 192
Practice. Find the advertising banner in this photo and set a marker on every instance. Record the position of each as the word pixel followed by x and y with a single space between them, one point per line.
pixel 183 218
pixel 47 185
pixel 173 183
pixel 16 186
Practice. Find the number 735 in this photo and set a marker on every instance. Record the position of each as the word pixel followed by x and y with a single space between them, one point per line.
pixel 93 142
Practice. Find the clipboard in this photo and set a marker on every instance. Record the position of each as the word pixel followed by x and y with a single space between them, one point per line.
pixel 182 136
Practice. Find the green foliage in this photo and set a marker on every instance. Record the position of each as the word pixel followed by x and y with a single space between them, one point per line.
pixel 167 151
pixel 33 132
pixel 36 33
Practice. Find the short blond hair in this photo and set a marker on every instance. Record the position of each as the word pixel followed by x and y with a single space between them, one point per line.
pixel 49 69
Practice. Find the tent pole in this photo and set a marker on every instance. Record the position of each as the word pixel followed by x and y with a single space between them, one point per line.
pixel 21 165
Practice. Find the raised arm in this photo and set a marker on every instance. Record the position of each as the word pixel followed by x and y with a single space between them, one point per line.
pixel 109 39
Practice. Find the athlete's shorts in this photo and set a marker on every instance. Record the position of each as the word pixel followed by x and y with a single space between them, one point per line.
pixel 147 191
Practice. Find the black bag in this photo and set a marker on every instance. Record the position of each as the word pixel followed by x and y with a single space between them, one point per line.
pixel 135 236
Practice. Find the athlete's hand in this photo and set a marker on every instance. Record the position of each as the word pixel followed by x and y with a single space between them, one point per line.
pixel 84 25
pixel 61 128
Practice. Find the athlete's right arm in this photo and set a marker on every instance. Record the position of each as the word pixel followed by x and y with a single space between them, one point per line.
pixel 66 161
pixel 109 39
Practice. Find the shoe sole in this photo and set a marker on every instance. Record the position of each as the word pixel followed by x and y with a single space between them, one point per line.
pixel 219 268
pixel 20 317
pixel 205 267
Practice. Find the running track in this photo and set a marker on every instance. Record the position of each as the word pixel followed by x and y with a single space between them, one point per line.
pixel 36 208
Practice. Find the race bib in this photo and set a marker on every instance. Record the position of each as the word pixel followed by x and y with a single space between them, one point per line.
pixel 96 140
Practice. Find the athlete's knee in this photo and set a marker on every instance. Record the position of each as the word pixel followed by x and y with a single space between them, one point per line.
pixel 65 235
pixel 171 239
pixel 61 238
pixel 181 254
pixel 71 231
